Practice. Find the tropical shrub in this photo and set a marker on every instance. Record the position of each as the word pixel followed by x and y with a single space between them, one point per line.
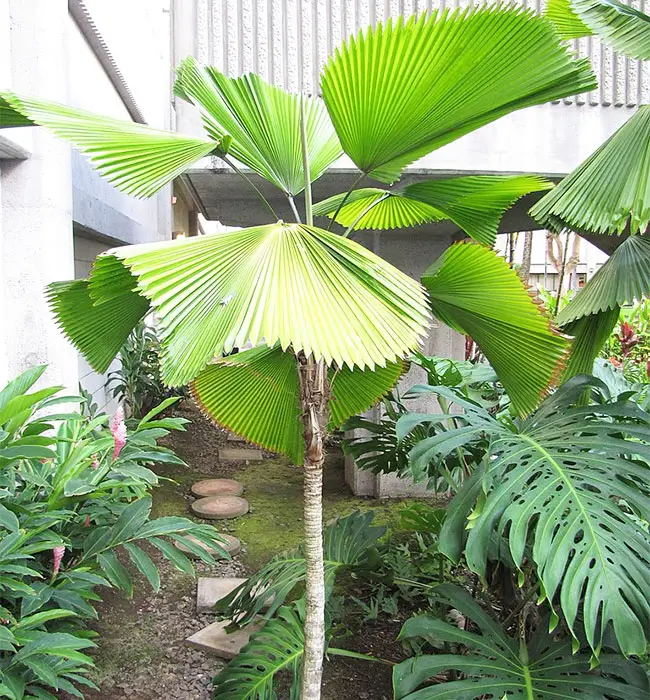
pixel 496 665
pixel 559 504
pixel 137 383
pixel 74 516
pixel 378 448
pixel 628 347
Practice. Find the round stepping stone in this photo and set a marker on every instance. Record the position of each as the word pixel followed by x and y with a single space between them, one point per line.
pixel 220 507
pixel 217 487
pixel 232 545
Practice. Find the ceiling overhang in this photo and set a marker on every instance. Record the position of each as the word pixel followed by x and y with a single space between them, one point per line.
pixel 222 195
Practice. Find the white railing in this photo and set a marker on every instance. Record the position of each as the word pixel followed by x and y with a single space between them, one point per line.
pixel 288 41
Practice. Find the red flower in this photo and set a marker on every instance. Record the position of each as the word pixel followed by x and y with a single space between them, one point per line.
pixel 627 337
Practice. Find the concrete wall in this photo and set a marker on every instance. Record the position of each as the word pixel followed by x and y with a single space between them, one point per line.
pixel 45 189
pixel 36 200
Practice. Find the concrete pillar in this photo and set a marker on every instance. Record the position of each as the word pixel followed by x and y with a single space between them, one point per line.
pixel 36 202
pixel 412 252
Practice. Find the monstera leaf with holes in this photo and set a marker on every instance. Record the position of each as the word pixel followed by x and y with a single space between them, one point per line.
pixel 494 665
pixel 347 542
pixel 567 488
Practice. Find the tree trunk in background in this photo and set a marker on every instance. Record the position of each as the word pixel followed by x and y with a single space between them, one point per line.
pixel 314 402
pixel 524 270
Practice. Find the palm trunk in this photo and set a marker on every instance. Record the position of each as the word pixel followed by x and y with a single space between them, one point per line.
pixel 524 270
pixel 314 403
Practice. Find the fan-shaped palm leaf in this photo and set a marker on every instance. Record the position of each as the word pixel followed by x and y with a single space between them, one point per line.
pixel 256 394
pixel 374 208
pixel 498 666
pixel 476 204
pixel 263 122
pixel 475 291
pixel 293 284
pixel 10 117
pixel 98 331
pixel 622 27
pixel 346 543
pixel 563 490
pixel 624 278
pixel 610 191
pixel 402 90
pixel 589 335
pixel 137 159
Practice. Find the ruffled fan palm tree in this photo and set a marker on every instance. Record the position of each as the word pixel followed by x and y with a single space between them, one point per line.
pixel 330 322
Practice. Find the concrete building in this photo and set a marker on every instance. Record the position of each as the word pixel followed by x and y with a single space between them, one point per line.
pixel 56 213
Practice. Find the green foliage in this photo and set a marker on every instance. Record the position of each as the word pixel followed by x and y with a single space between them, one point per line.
pixel 262 123
pixel 115 146
pixel 608 192
pixel 98 331
pixel 385 72
pixel 623 27
pixel 74 516
pixel 473 290
pixel 278 646
pixel 254 283
pixel 565 490
pixel 256 393
pixel 137 383
pixel 347 542
pixel 381 449
pixel 498 666
pixel 475 203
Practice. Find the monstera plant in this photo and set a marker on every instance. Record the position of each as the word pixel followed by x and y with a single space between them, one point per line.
pixel 329 321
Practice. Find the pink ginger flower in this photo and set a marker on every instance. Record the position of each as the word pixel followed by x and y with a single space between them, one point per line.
pixel 57 554
pixel 95 463
pixel 118 431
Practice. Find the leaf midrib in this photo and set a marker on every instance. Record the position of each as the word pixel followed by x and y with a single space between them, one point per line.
pixel 586 518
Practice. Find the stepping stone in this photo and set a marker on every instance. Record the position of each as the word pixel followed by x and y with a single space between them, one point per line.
pixel 214 639
pixel 239 454
pixel 232 546
pixel 217 487
pixel 220 507
pixel 235 438
pixel 211 590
